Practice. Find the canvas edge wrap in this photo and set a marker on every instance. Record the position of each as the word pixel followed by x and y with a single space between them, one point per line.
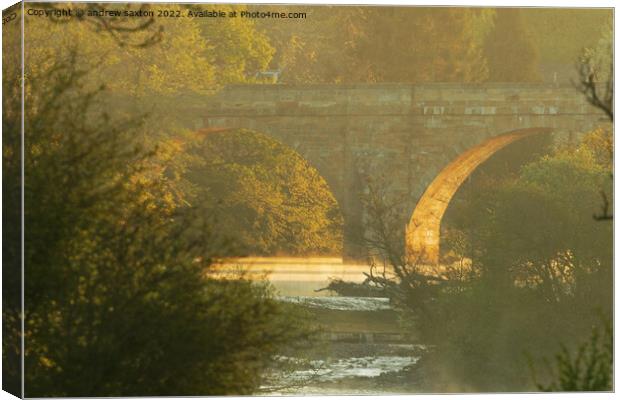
pixel 12 191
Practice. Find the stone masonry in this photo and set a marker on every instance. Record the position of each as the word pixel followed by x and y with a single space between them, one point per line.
pixel 404 134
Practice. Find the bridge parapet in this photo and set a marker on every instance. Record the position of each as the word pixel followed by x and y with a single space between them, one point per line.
pixel 396 99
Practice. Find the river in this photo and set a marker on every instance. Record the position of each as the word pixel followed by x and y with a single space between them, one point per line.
pixel 363 348
pixel 297 276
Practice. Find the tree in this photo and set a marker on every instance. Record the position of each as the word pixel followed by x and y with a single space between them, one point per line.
pixel 189 55
pixel 596 79
pixel 535 279
pixel 423 45
pixel 509 48
pixel 589 370
pixel 561 34
pixel 120 297
pixel 321 49
pixel 265 194
pixel 135 30
pixel 237 47
pixel 536 265
pixel 463 236
pixel 596 82
pixel 591 367
pixel 383 44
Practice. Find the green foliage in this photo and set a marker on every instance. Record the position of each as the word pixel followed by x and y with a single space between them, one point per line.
pixel 383 44
pixel 590 369
pixel 599 55
pixel 541 261
pixel 510 49
pixel 463 234
pixel 525 223
pixel 266 195
pixel 418 44
pixel 480 334
pixel 120 297
pixel 441 45
pixel 551 197
pixel 191 55
pixel 538 266
pixel 321 48
pixel 562 33
pixel 237 48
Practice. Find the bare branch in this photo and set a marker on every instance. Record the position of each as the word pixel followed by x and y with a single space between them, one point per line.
pixel 122 29
pixel 591 87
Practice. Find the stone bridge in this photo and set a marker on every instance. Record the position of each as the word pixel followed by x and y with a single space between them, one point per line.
pixel 423 140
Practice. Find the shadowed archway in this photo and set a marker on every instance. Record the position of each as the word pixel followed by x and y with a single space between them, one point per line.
pixel 266 195
pixel 423 230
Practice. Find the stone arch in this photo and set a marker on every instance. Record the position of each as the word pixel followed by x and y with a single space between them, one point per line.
pixel 423 230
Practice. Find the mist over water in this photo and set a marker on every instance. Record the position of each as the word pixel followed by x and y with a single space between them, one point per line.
pixel 297 276
pixel 361 351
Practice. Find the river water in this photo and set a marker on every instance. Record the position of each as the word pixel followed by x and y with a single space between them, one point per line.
pixel 297 276
pixel 363 349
